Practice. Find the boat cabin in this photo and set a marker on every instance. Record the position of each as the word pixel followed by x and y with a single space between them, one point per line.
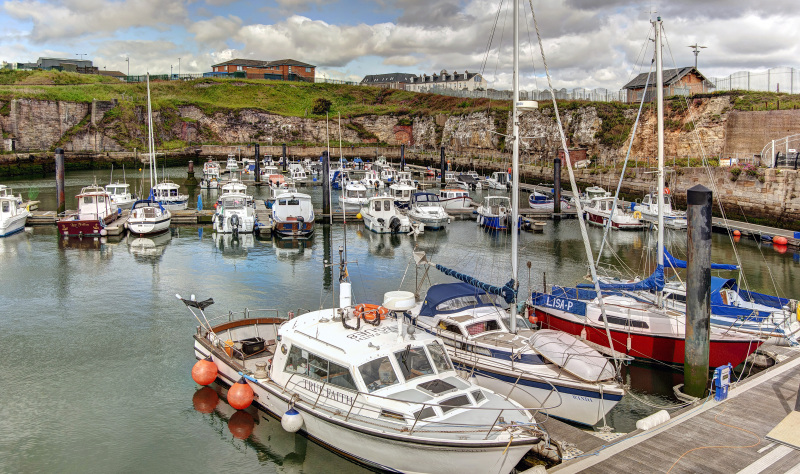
pixel 453 194
pixel 94 203
pixel 651 200
pixel 355 190
pixel 382 207
pixel 425 199
pixel 497 204
pixel 501 177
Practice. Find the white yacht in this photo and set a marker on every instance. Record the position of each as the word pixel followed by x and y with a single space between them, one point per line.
pixel 12 215
pixel 211 173
pixel 359 385
pixel 232 164
pixel 401 192
pixel 598 211
pixel 456 199
pixel 499 180
pixel 120 194
pixel 648 210
pixel 234 214
pixel 293 215
pixel 426 208
pixel 372 180
pixel 381 216
pixel 148 218
pixel 355 195
pixel 168 195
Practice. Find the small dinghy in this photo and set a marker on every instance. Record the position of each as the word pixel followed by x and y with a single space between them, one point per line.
pixel 572 355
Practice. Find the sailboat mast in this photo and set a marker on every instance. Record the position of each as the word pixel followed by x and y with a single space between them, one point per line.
pixel 150 144
pixel 515 168
pixel 660 172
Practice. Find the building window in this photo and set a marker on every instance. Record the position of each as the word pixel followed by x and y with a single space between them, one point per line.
pixel 238 68
pixel 308 69
pixel 290 69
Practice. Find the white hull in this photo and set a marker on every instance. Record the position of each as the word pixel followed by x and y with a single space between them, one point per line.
pixel 372 224
pixel 459 203
pixel 13 224
pixel 222 223
pixel 149 226
pixel 374 448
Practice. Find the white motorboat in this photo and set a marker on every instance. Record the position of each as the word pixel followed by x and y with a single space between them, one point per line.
pixel 456 199
pixel 355 195
pixel 293 215
pixel 363 388
pixel 426 209
pixel 120 195
pixel 577 381
pixel 495 213
pixel 593 192
pixel 402 194
pixel 404 177
pixel 297 173
pixel 5 191
pixel 234 214
pixel 12 215
pixel 231 164
pixel 381 216
pixel 148 218
pixel 372 180
pixel 648 210
pixel 598 211
pixel 169 196
pixel 542 202
pixel 388 174
pixel 211 174
pixel 499 180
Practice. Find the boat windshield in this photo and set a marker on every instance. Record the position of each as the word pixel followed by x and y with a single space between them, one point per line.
pixel 289 202
pixel 378 374
pixel 468 301
pixel 440 360
pixel 413 362
pixel 233 203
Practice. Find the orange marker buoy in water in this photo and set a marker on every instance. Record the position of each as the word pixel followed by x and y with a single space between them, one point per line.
pixel 204 372
pixel 240 396
pixel 205 400
pixel 241 425
pixel 780 240
pixel 737 233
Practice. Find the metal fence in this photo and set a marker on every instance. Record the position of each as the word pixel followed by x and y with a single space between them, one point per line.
pixel 777 79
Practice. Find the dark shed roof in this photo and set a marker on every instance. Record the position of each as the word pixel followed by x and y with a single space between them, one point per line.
pixel 671 76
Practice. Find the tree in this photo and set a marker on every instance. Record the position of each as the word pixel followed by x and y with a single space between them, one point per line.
pixel 321 106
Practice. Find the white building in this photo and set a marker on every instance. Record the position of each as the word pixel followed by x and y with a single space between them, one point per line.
pixel 468 81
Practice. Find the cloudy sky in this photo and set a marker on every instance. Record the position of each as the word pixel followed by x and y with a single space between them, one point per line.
pixel 588 43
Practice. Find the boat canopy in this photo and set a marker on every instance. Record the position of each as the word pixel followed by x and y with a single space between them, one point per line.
pixel 425 197
pixel 147 203
pixel 358 160
pixel 653 282
pixel 718 284
pixel 669 260
pixel 463 295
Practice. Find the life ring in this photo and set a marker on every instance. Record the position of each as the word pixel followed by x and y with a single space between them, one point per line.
pixel 637 214
pixel 666 191
pixel 370 311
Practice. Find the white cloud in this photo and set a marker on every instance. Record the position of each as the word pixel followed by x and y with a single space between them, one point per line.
pixel 216 31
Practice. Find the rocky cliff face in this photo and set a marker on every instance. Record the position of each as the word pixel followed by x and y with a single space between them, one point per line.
pixel 602 129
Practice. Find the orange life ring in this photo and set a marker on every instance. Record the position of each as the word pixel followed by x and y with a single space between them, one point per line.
pixel 666 191
pixel 370 311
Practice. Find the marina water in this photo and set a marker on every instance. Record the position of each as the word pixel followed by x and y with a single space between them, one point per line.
pixel 97 352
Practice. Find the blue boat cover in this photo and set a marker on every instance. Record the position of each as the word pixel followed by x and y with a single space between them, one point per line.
pixel 653 282
pixel 358 160
pixel 669 260
pixel 718 284
pixel 506 291
pixel 437 294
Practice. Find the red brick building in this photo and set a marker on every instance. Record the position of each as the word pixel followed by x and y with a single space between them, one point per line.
pixel 282 69
pixel 683 81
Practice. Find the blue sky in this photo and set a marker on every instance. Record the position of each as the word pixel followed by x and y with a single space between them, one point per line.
pixel 589 43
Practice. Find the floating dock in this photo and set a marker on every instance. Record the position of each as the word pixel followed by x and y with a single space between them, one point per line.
pixel 734 435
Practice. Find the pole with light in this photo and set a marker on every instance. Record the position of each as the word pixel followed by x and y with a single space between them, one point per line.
pixel 128 60
pixel 696 50
pixel 179 67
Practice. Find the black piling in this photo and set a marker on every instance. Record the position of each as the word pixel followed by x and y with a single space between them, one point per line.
pixel 698 291
pixel 326 185
pixel 60 180
pixel 556 187
pixel 258 163
pixel 442 164
pixel 283 157
pixel 402 157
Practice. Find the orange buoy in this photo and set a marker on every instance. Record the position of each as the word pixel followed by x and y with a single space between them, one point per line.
pixel 533 319
pixel 780 240
pixel 737 238
pixel 205 400
pixel 204 372
pixel 370 311
pixel 737 233
pixel 240 396
pixel 780 248
pixel 241 425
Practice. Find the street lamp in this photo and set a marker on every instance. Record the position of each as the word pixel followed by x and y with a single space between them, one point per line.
pixel 81 55
pixel 696 51
pixel 179 67
pixel 170 72
pixel 128 60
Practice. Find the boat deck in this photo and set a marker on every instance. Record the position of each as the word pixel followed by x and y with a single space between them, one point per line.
pixel 728 436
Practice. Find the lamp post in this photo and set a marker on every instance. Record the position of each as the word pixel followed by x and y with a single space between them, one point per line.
pixel 170 72
pixel 179 67
pixel 81 55
pixel 128 60
pixel 696 50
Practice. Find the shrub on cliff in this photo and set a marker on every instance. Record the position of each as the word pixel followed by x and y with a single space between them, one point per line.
pixel 321 106
pixel 735 172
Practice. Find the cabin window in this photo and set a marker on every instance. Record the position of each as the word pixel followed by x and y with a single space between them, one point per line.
pixel 440 360
pixel 6 207
pixel 413 362
pixel 482 327
pixel 447 326
pixel 294 202
pixel 315 367
pixel 297 361
pixel 425 413
pixel 377 205
pixel 455 402
pixel 625 322
pixel 378 374
pixel 387 205
pixel 478 396
pixel 465 302
pixel 87 200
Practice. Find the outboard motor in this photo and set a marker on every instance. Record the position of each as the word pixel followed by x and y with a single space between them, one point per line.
pixel 235 223
pixel 394 224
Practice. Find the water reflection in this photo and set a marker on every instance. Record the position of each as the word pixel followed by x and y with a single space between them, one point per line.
pixel 233 245
pixel 148 249
pixel 12 244
pixel 258 430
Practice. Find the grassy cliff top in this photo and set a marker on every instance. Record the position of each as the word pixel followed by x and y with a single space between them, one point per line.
pixel 213 95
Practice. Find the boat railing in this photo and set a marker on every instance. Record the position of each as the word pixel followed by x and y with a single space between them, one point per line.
pixel 247 313
pixel 367 409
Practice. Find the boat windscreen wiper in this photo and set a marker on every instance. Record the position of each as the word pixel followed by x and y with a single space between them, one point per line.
pixel 405 357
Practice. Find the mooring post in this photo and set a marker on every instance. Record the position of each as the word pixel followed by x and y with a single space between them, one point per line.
pixel 190 178
pixel 258 163
pixel 698 291
pixel 283 159
pixel 556 187
pixel 442 164
pixel 326 186
pixel 402 157
pixel 60 180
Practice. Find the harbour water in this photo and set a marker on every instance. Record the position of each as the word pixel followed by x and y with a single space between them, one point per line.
pixel 97 351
